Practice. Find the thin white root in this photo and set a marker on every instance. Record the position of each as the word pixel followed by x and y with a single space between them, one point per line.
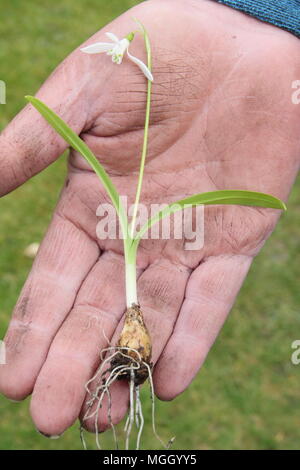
pixel 126 424
pixel 136 412
pixel 170 442
pixel 106 337
pixel 110 419
pixel 103 385
pixel 99 372
pixel 101 382
pixel 140 415
pixel 131 409
pixel 103 389
pixel 81 431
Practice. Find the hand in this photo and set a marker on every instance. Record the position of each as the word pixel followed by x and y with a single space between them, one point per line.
pixel 222 118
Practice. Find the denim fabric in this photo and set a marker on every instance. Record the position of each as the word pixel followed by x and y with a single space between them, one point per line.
pixel 282 13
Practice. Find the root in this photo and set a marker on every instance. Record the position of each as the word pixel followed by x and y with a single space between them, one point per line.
pixel 139 417
pixel 121 363
pixel 170 442
pixel 131 410
pixel 110 420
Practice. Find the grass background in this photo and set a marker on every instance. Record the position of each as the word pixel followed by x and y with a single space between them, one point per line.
pixel 247 394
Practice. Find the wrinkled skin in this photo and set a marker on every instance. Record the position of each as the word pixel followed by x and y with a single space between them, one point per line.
pixel 222 118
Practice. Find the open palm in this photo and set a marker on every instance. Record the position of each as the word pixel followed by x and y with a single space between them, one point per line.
pixel 221 118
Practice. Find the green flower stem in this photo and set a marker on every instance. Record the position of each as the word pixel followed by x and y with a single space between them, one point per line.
pixel 146 134
pixel 130 249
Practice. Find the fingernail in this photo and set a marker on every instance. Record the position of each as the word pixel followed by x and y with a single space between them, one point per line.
pixel 15 401
pixel 48 435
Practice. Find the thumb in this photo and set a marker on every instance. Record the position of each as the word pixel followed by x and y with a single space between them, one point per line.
pixel 28 144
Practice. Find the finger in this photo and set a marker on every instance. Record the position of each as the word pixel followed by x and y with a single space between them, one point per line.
pixel 74 354
pixel 64 259
pixel 210 294
pixel 160 291
pixel 29 144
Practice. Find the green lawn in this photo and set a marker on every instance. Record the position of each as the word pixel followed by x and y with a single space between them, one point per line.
pixel 247 394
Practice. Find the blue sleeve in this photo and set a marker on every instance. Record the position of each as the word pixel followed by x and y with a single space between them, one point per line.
pixel 282 13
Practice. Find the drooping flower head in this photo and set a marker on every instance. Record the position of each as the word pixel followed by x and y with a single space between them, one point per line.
pixel 116 49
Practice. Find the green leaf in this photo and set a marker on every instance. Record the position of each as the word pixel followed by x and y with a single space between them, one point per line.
pixel 243 198
pixel 78 144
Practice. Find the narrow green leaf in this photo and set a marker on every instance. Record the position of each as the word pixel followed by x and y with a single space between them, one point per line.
pixel 78 144
pixel 243 198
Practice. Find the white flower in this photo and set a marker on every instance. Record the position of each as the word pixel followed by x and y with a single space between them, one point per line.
pixel 117 49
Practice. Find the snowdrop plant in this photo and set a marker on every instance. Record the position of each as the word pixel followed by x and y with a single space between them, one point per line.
pixel 130 358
